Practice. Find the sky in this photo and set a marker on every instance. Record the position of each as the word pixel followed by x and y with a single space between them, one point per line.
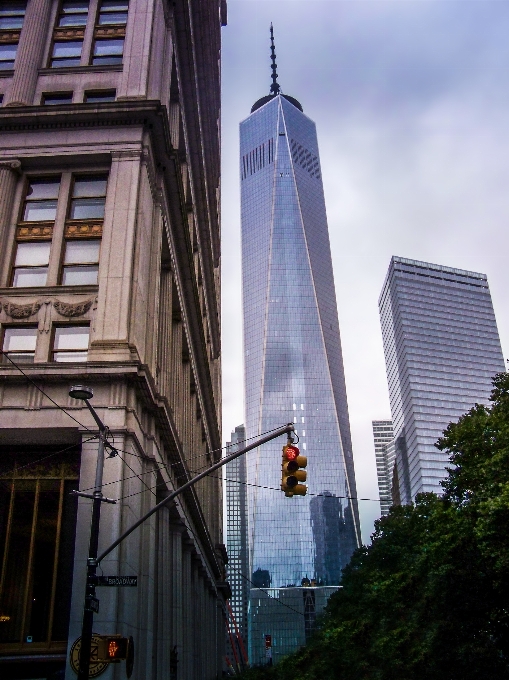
pixel 411 103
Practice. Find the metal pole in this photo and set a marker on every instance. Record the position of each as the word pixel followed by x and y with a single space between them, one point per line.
pixel 277 433
pixel 90 599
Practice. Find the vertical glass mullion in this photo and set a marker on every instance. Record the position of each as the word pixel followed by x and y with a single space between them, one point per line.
pixel 30 562
pixel 55 558
pixel 7 539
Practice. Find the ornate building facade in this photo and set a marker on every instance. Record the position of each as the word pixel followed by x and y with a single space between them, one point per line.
pixel 109 277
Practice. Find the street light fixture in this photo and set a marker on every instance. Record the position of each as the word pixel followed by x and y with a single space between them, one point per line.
pixel 91 602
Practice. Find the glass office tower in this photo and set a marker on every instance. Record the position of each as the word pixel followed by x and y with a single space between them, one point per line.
pixel 441 348
pixel 293 360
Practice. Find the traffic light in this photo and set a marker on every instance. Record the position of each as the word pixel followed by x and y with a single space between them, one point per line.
pixel 291 472
pixel 115 648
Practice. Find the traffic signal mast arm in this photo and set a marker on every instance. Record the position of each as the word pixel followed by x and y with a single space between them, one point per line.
pixel 287 429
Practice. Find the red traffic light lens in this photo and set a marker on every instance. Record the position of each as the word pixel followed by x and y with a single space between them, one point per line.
pixel 291 452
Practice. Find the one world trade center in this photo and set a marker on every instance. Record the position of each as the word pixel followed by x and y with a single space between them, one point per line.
pixel 292 352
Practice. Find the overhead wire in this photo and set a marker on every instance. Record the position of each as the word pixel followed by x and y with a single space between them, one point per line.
pixel 43 392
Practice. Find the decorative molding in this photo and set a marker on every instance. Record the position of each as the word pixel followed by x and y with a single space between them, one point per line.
pixel 13 165
pixel 22 311
pixel 72 310
pixel 31 232
pixel 93 68
pixel 80 230
pixel 109 32
pixel 148 162
pixel 128 154
pixel 10 37
pixel 62 33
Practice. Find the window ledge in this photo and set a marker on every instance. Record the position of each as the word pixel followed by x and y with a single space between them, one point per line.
pixel 38 291
pixel 93 68
pixel 8 73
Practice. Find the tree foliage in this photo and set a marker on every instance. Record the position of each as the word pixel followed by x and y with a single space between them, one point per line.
pixel 429 598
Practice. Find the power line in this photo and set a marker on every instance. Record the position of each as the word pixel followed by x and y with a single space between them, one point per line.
pixel 43 392
pixel 8 473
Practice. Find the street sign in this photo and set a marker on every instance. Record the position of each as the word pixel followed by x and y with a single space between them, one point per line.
pixel 96 667
pixel 92 604
pixel 117 581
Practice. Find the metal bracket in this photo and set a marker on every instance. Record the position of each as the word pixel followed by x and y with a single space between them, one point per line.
pixel 92 497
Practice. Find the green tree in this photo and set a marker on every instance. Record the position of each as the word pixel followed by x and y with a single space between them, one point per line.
pixel 429 598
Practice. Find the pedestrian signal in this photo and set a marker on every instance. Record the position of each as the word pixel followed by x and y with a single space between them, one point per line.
pixel 292 473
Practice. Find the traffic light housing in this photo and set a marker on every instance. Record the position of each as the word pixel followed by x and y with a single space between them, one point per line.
pixel 292 473
pixel 112 648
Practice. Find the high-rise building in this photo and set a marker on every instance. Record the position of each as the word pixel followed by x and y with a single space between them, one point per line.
pixel 109 270
pixel 385 454
pixel 236 532
pixel 293 360
pixel 442 349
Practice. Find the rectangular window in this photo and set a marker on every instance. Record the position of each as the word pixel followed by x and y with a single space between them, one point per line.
pixel 7 56
pixel 37 533
pixel 12 15
pixel 70 343
pixel 31 264
pixel 81 262
pixel 100 96
pixel 73 13
pixel 113 13
pixel 66 53
pixel 88 197
pixel 19 344
pixel 41 199
pixel 108 51
pixel 55 98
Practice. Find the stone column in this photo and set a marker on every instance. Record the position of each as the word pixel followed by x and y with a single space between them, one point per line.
pixel 30 52
pixel 9 172
pixel 135 74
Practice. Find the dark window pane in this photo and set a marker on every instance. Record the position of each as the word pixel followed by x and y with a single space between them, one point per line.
pixel 108 51
pixel 38 211
pixel 98 97
pixel 116 18
pixel 12 15
pixel 80 276
pixel 87 208
pixel 43 188
pixel 7 56
pixel 54 99
pixel 33 254
pixel 94 185
pixel 73 13
pixel 35 276
pixel 16 571
pixel 67 49
pixel 77 252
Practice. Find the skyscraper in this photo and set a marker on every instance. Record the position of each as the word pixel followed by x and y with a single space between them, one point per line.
pixel 236 531
pixel 384 453
pixel 293 360
pixel 441 348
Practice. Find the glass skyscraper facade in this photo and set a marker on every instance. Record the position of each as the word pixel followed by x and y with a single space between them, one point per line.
pixel 441 348
pixel 385 455
pixel 293 359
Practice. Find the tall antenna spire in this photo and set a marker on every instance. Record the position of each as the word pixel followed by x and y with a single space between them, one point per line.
pixel 274 88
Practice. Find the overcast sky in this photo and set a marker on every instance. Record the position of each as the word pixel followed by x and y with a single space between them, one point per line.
pixel 411 103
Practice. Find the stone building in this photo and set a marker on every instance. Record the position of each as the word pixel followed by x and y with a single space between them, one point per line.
pixel 109 277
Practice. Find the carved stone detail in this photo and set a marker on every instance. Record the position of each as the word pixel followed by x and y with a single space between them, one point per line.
pixel 88 230
pixel 13 165
pixel 72 310
pixel 109 32
pixel 62 33
pixel 10 36
pixel 21 311
pixel 30 232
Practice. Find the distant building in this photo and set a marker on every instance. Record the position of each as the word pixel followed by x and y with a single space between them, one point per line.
pixel 441 350
pixel 287 616
pixel 385 454
pixel 333 545
pixel 236 532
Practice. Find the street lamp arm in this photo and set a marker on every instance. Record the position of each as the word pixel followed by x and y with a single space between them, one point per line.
pixel 287 429
pixel 100 424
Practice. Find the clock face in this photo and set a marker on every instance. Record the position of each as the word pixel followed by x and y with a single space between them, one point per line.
pixel 96 667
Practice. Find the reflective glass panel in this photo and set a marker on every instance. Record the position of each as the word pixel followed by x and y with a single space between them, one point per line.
pixel 98 97
pixel 35 276
pixel 108 51
pixel 20 339
pixel 52 99
pixel 80 276
pixel 7 56
pixel 12 15
pixel 73 13
pixel 77 252
pixel 32 254
pixel 71 337
pixel 89 186
pixel 67 53
pixel 38 211
pixel 87 208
